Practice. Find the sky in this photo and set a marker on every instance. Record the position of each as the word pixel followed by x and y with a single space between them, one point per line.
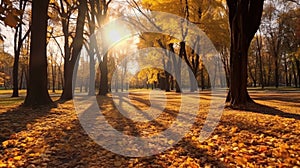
pixel 8 33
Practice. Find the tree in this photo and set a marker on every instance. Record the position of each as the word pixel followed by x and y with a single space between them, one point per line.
pixel 102 9
pixel 273 35
pixel 73 50
pixel 291 40
pixel 37 92
pixel 18 43
pixel 244 20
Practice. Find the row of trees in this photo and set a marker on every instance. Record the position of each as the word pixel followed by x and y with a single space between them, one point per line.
pixel 274 53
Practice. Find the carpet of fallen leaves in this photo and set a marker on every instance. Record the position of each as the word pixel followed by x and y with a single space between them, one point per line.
pixel 264 135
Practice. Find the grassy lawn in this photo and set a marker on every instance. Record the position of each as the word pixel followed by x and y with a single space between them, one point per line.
pixel 273 89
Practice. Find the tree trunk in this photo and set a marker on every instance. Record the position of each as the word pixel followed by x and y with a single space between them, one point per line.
pixel 21 79
pixel 176 66
pixel 167 81
pixel 18 42
pixel 15 75
pixel 76 45
pixel 258 43
pixel 298 70
pixel 244 19
pixel 269 70
pixel 37 93
pixel 92 47
pixel 92 75
pixel 103 90
pixel 276 72
pixel 53 77
pixel 295 75
pixel 172 83
pixel 286 72
pixel 202 76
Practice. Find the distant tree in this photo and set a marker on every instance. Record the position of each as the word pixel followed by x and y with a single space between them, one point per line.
pixel 37 92
pixel 19 38
pixel 244 19
pixel 273 34
pixel 290 21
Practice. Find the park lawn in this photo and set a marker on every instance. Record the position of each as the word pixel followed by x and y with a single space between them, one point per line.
pixel 23 92
pixel 9 92
pixel 7 102
pixel 261 136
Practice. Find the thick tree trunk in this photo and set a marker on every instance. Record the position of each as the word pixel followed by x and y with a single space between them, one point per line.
pixel 244 19
pixel 103 90
pixel 37 93
pixel 68 81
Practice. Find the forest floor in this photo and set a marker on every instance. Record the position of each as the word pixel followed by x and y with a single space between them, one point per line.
pixel 265 135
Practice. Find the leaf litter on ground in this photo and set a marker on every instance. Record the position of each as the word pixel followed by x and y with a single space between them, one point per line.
pixel 263 136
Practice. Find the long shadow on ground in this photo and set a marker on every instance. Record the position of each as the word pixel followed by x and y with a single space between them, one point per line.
pixel 19 119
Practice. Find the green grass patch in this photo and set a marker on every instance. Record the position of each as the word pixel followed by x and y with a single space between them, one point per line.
pixel 8 101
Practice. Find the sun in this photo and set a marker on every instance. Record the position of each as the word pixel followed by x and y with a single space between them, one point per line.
pixel 114 33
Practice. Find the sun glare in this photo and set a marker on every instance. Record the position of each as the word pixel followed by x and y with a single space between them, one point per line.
pixel 115 33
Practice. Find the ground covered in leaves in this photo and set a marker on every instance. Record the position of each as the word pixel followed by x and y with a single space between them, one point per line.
pixel 264 135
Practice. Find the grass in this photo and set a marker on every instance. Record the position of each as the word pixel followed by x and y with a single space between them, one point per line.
pixel 281 88
pixel 23 92
pixel 9 101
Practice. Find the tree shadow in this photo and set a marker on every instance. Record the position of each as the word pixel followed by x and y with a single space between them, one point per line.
pixel 278 98
pixel 263 109
pixel 21 118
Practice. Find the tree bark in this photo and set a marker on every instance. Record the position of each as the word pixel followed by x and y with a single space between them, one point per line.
pixel 103 90
pixel 177 66
pixel 295 75
pixel 37 93
pixel 18 42
pixel 261 77
pixel 286 72
pixel 76 48
pixel 92 47
pixel 276 72
pixel 298 70
pixel 244 19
